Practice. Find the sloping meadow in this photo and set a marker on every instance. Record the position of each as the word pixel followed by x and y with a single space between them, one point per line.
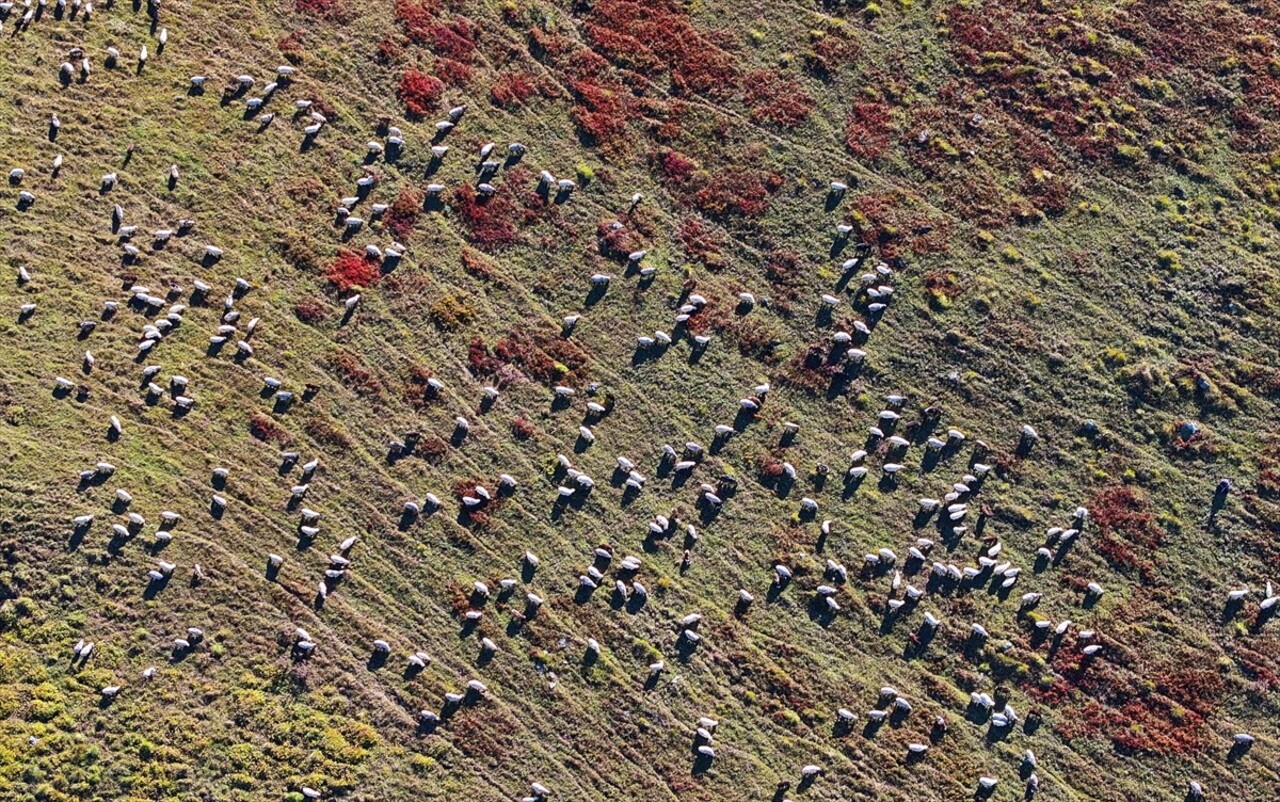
pixel 954 316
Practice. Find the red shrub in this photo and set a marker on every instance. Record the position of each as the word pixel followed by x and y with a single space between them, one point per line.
pixel 321 105
pixel 614 241
pixel 809 372
pixel 776 100
pixel 453 73
pixel 831 50
pixel 268 431
pixel 354 375
pixel 556 49
pixel 490 221
pixel 769 467
pixel 543 357
pixel 322 431
pixel 390 49
pixel 702 241
pixel 352 269
pixel 1050 192
pixel 480 361
pixel 416 391
pixel 311 310
pixel 419 92
pixel 454 39
pixel 869 130
pixel 601 112
pixel 783 271
pixel 649 36
pixel 476 264
pixel 741 192
pixel 293 46
pixel 511 89
pixel 677 167
pixel 1150 726
pixel 942 285
pixel 432 449
pixel 625 51
pixel 712 317
pixel 522 429
pixel 417 17
pixel 708 71
pixel 1196 688
pixel 893 219
pixel 402 216
pixel 1130 536
pixel 493 223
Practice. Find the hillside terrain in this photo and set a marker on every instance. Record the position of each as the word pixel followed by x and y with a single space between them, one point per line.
pixel 347 457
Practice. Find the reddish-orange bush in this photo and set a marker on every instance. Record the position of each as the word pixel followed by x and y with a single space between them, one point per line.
pixel 741 192
pixel 869 131
pixel 476 264
pixel 522 429
pixel 656 37
pixel 293 46
pixel 390 49
pixel 613 241
pixel 419 92
pixel 677 167
pixel 601 112
pixel 832 49
pixel 353 373
pixel 894 220
pixel 702 241
pixel 454 39
pixel 480 360
pixel 311 310
pixel 417 17
pixel 402 216
pixel 453 73
pixel 512 89
pixel 776 100
pixel 1130 537
pixel 352 269
pixel 784 273
pixel 490 221
pixel 268 431
pixel 543 357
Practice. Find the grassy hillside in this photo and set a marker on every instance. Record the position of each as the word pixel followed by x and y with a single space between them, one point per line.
pixel 1070 211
